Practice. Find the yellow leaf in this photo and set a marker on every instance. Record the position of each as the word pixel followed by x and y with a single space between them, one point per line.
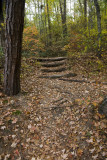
pixel 100 116
pixel 94 104
pixel 79 152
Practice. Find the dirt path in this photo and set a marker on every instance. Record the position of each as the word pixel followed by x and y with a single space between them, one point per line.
pixel 53 119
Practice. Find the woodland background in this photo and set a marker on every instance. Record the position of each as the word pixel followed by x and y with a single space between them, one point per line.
pixel 72 28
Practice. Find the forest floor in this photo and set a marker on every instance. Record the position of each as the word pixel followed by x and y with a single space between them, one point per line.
pixel 55 119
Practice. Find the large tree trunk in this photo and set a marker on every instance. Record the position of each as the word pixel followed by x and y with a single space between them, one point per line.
pixel 63 17
pixel 49 24
pixel 1 37
pixel 65 25
pixel 98 26
pixel 1 25
pixel 85 13
pixel 90 17
pixel 13 44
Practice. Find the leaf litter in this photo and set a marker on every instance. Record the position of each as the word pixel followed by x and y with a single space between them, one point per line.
pixel 53 120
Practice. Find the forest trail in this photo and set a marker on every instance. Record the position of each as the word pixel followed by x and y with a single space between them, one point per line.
pixel 53 118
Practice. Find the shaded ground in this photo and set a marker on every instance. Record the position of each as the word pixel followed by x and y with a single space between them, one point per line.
pixel 52 119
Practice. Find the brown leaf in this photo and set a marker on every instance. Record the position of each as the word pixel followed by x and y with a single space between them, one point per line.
pixel 79 152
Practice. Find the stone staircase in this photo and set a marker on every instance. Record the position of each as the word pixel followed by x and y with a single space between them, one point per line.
pixel 54 68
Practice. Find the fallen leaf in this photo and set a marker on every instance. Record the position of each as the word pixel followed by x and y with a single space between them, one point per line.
pixel 13 145
pixel 29 126
pixel 3 127
pixel 32 129
pixel 17 152
pixel 14 121
pixel 95 156
pixel 64 156
pixel 92 150
pixel 7 157
pixel 90 141
pixel 79 152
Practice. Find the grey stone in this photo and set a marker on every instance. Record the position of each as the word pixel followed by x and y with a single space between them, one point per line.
pixel 103 107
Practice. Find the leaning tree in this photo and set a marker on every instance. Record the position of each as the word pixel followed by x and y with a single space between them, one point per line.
pixel 13 45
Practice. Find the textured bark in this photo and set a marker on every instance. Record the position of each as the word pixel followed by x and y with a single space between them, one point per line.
pixel 91 17
pixel 1 35
pixel 1 27
pixel 98 17
pixel 1 11
pixel 85 13
pixel 49 24
pixel 65 26
pixel 63 16
pixel 13 43
pixel 98 26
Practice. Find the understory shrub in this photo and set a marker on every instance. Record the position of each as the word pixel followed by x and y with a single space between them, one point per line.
pixel 31 43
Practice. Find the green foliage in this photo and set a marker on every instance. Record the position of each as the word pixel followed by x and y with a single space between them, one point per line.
pixel 17 112
pixel 82 30
pixel 1 52
pixel 85 41
pixel 31 43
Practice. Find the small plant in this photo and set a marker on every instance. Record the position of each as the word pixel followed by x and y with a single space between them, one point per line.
pixel 88 134
pixel 5 102
pixel 17 112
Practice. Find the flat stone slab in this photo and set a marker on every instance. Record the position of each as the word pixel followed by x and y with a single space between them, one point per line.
pixel 51 59
pixel 59 76
pixel 53 64
pixel 53 70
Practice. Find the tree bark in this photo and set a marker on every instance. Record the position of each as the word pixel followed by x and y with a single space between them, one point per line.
pixel 1 12
pixel 13 44
pixel 65 14
pixel 1 36
pixel 91 17
pixel 63 17
pixel 1 25
pixel 98 26
pixel 85 13
pixel 49 24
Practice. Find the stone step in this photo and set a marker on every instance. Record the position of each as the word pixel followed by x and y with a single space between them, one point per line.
pixel 54 64
pixel 59 76
pixel 51 59
pixel 53 69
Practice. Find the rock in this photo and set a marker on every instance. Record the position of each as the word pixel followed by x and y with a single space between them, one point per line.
pixel 103 107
